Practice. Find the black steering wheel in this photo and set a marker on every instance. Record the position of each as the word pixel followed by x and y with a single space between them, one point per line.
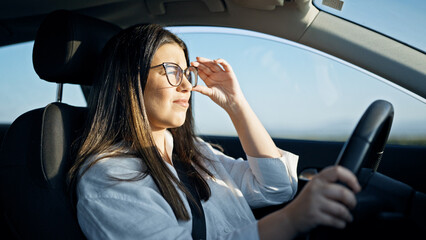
pixel 384 201
pixel 365 146
pixel 363 149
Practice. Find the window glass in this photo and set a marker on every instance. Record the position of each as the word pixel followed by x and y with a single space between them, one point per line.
pixel 401 20
pixel 20 87
pixel 296 91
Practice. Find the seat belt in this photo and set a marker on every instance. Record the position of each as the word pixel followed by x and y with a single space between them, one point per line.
pixel 198 219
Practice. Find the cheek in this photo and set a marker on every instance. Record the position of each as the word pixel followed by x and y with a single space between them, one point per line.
pixel 156 103
pixel 155 96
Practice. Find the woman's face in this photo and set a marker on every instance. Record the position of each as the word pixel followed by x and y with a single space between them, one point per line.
pixel 166 105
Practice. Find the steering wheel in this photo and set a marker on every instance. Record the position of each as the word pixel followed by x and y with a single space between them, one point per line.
pixel 365 146
pixel 363 149
pixel 382 197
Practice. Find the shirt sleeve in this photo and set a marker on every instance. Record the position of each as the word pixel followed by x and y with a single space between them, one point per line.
pixel 262 181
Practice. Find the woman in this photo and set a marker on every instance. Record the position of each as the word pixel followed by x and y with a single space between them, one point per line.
pixel 140 127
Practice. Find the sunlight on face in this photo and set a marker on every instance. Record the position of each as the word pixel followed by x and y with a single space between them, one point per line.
pixel 166 105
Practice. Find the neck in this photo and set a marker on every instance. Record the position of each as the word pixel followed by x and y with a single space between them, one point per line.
pixel 159 137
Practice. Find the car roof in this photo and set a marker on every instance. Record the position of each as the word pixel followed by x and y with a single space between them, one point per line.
pixel 295 20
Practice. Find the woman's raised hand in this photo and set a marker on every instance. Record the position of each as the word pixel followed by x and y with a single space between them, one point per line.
pixel 221 83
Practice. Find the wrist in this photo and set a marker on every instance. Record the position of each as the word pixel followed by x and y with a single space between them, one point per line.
pixel 290 224
pixel 236 106
pixel 277 225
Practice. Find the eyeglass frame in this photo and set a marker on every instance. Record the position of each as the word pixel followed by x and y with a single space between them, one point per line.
pixel 184 73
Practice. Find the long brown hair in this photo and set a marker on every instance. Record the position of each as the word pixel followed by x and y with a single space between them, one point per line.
pixel 117 116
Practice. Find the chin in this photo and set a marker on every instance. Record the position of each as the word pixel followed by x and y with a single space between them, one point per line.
pixel 178 122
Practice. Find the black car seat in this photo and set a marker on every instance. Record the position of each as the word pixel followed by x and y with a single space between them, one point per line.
pixel 35 153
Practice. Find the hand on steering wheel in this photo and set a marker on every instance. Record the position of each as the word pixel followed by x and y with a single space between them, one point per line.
pixel 325 202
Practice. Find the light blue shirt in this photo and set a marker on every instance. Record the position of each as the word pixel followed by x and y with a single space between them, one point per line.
pixel 109 209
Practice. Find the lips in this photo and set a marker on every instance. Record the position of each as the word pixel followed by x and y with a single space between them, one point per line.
pixel 182 102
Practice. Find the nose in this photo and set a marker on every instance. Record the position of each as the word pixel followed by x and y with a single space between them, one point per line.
pixel 185 85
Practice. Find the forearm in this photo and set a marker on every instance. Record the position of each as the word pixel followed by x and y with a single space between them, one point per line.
pixel 223 88
pixel 254 138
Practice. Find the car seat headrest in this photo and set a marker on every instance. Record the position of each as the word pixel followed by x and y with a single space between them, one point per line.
pixel 68 46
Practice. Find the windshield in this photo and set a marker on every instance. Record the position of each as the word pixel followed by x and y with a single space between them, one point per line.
pixel 401 20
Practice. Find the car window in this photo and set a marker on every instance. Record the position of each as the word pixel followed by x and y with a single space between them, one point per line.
pixel 296 91
pixel 20 87
pixel 400 20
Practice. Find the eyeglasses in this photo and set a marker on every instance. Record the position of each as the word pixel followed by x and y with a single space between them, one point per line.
pixel 175 73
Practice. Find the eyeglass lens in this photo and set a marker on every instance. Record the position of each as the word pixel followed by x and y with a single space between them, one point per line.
pixel 175 74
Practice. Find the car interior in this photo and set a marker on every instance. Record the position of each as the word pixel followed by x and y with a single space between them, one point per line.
pixel 35 149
